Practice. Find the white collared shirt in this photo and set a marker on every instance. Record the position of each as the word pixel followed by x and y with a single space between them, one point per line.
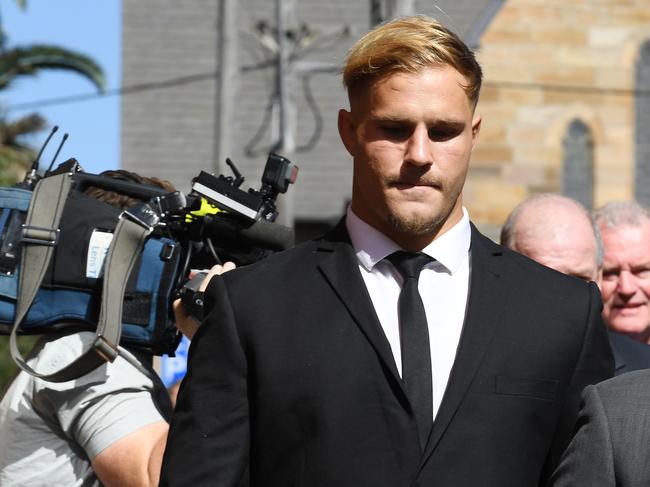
pixel 443 286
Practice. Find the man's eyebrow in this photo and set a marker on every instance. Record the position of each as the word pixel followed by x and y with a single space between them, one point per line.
pixel 437 122
pixel 388 118
pixel 452 124
pixel 611 268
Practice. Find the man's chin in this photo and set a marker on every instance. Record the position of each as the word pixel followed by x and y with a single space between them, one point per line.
pixel 413 224
pixel 636 326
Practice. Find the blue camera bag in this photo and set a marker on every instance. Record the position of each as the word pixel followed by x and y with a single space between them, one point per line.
pixel 70 299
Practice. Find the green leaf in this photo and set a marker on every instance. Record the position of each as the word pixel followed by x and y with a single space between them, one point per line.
pixel 28 61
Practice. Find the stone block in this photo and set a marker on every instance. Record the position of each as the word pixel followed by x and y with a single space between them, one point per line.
pixel 600 36
pixel 559 35
pixel 490 154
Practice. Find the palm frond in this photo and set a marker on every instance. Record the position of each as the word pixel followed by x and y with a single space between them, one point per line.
pixel 10 131
pixel 16 156
pixel 27 61
pixel 14 163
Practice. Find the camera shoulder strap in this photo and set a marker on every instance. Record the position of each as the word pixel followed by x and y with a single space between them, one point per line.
pixel 40 236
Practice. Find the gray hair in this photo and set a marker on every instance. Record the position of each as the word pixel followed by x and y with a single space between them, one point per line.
pixel 600 247
pixel 621 213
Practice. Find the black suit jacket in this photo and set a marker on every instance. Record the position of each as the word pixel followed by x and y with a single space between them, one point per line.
pixel 291 377
pixel 629 354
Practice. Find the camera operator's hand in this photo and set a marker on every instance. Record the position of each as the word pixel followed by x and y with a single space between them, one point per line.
pixel 185 323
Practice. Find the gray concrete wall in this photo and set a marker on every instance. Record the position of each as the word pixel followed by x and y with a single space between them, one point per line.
pixel 169 131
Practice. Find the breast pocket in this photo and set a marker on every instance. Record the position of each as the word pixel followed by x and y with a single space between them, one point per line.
pixel 537 388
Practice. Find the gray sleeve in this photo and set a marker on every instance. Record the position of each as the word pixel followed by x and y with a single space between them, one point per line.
pixel 588 460
pixel 99 408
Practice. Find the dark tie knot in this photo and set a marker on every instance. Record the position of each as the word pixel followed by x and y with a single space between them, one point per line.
pixel 409 264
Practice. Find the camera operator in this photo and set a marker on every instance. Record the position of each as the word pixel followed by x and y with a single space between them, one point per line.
pixel 107 427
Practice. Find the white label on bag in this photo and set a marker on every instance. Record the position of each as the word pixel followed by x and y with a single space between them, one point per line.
pixel 97 250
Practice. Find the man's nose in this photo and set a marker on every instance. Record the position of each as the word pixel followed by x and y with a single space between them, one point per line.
pixel 419 146
pixel 626 283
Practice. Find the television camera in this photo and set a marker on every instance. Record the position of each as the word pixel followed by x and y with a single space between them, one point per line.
pixel 143 269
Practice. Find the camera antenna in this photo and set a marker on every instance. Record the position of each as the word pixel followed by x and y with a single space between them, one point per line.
pixel 65 137
pixel 238 177
pixel 31 176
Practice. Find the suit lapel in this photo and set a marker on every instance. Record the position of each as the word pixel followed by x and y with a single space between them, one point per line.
pixel 484 308
pixel 338 264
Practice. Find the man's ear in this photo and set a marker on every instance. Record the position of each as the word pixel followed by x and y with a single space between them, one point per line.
pixel 347 131
pixel 476 128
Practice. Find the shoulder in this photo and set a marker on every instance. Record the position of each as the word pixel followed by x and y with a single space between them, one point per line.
pixel 630 387
pixel 296 262
pixel 523 270
pixel 622 404
pixel 54 352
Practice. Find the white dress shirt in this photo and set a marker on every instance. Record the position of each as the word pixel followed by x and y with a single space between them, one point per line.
pixel 443 286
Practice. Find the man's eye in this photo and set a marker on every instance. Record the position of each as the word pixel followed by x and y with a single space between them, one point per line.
pixel 643 273
pixel 610 275
pixel 394 130
pixel 442 134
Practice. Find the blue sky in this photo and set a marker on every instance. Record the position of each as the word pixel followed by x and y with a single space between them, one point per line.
pixel 92 27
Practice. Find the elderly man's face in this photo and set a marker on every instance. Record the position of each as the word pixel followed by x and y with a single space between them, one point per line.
pixel 626 280
pixel 411 136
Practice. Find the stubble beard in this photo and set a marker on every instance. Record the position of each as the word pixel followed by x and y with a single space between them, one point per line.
pixel 416 224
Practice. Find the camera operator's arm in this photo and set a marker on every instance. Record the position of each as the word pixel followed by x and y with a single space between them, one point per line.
pixel 115 415
pixel 184 322
pixel 134 460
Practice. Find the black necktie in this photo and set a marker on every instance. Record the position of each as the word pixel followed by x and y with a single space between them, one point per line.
pixel 414 338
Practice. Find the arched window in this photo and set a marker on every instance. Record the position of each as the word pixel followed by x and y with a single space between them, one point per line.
pixel 578 167
pixel 642 127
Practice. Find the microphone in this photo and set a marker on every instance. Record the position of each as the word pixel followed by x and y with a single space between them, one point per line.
pixel 261 232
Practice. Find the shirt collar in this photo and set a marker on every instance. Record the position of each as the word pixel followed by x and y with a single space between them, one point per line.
pixel 371 246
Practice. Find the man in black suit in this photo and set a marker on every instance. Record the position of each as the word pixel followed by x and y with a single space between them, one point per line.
pixel 332 365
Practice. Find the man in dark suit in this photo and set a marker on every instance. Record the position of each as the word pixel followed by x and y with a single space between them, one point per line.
pixel 610 448
pixel 629 354
pixel 558 232
pixel 333 365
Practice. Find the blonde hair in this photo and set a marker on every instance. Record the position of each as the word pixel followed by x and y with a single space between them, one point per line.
pixel 410 44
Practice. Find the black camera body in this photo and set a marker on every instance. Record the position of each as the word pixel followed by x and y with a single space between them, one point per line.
pixel 216 222
pixel 96 266
pixel 239 224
